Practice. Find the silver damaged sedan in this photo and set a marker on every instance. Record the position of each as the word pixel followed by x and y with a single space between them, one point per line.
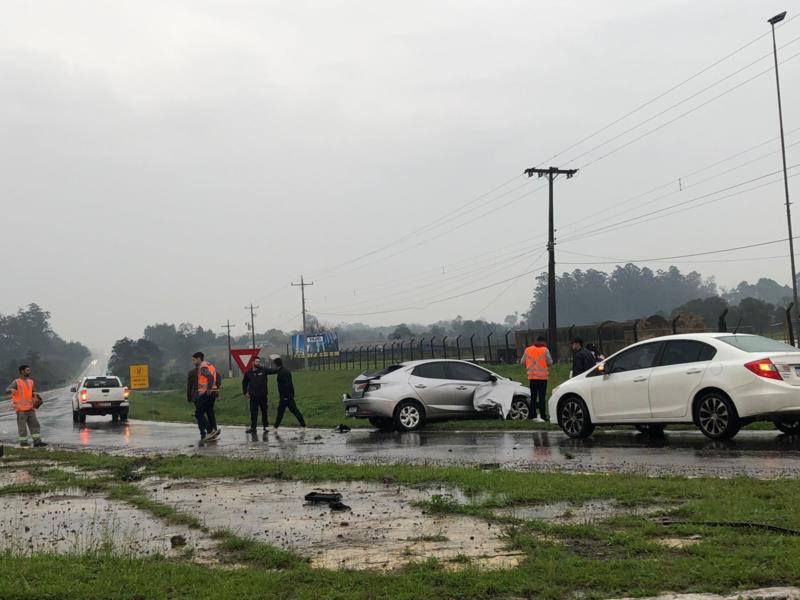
pixel 404 396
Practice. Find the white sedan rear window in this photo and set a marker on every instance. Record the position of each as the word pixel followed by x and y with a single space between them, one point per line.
pixel 756 343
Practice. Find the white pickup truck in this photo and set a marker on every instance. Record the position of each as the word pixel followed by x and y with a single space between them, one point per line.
pixel 103 395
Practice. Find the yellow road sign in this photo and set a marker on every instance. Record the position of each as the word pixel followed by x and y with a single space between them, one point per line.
pixel 140 377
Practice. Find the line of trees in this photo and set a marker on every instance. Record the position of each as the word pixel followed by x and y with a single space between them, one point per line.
pixel 631 292
pixel 28 338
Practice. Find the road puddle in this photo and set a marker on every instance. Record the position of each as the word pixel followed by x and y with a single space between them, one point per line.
pixel 70 522
pixel 568 513
pixel 381 530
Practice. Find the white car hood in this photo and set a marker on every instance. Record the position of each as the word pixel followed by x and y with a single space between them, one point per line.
pixel 496 395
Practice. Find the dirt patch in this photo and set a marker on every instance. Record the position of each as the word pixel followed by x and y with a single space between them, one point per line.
pixel 678 543
pixel 75 522
pixel 775 593
pixel 567 513
pixel 382 529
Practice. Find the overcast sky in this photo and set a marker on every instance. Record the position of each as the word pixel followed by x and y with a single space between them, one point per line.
pixel 176 160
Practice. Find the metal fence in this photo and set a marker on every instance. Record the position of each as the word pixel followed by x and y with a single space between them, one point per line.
pixel 507 348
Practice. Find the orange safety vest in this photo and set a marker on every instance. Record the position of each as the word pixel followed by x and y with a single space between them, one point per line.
pixel 202 380
pixel 536 363
pixel 22 397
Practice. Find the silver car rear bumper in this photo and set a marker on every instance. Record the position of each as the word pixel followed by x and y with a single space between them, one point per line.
pixel 369 406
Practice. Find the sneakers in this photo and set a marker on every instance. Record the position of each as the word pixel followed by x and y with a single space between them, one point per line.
pixel 39 444
pixel 212 435
pixel 23 444
pixel 250 430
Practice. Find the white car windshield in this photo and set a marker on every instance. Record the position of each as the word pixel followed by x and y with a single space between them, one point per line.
pixel 756 343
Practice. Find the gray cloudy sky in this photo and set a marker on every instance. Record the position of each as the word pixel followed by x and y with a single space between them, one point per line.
pixel 174 160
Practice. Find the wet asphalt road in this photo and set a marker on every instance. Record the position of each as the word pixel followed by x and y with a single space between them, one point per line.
pixel 755 453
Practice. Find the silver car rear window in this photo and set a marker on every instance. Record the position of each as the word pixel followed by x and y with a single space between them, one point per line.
pixel 756 343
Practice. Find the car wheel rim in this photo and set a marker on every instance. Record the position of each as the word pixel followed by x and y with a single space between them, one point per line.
pixel 572 418
pixel 714 416
pixel 519 411
pixel 409 417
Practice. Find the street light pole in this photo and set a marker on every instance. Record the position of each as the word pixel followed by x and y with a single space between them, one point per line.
pixel 773 21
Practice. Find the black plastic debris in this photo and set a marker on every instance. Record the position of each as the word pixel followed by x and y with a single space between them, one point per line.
pixel 341 428
pixel 339 506
pixel 177 541
pixel 323 497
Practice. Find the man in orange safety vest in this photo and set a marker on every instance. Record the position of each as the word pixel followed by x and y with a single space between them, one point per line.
pixel 206 394
pixel 22 398
pixel 537 361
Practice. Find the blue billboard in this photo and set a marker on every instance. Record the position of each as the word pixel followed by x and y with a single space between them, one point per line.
pixel 317 344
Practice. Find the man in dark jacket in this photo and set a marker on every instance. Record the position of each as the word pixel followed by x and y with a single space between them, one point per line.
pixel 285 393
pixel 254 386
pixel 191 385
pixel 582 359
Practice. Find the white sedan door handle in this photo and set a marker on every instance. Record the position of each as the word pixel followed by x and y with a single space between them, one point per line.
pixel 640 379
pixel 420 386
pixel 694 371
pixel 462 387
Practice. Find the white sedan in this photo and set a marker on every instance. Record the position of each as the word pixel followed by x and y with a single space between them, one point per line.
pixel 718 381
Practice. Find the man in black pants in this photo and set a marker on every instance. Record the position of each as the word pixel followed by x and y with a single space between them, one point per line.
pixel 286 393
pixel 254 386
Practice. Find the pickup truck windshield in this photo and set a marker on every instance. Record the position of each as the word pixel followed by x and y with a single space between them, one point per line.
pixel 101 382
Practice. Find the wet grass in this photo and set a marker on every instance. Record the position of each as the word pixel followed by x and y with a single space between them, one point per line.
pixel 615 557
pixel 319 396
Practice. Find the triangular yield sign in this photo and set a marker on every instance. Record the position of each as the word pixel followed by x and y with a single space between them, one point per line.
pixel 250 353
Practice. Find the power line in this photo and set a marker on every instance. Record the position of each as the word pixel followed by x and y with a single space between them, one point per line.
pixel 426 228
pixel 683 188
pixel 695 254
pixel 686 113
pixel 437 301
pixel 679 103
pixel 661 95
pixel 634 220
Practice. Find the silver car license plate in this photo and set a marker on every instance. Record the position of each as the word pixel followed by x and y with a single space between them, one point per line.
pixel 351 411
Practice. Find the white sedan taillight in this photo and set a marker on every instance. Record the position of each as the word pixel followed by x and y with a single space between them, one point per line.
pixel 764 368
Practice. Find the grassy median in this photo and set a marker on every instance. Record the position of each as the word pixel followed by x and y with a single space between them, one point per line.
pixel 725 524
pixel 319 396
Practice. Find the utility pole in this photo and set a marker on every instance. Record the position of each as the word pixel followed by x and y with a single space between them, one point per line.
pixel 302 285
pixel 552 324
pixel 773 21
pixel 251 308
pixel 230 365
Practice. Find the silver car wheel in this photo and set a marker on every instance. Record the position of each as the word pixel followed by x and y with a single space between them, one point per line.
pixel 519 410
pixel 713 416
pixel 572 418
pixel 409 416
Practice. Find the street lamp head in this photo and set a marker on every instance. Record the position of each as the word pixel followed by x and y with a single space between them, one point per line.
pixel 777 18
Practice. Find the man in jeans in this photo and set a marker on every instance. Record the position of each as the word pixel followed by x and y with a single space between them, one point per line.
pixel 285 393
pixel 207 388
pixel 22 396
pixel 254 386
pixel 537 361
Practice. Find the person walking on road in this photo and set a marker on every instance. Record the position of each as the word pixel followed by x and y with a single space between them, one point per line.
pixel 25 401
pixel 285 393
pixel 254 386
pixel 537 361
pixel 207 388
pixel 582 359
